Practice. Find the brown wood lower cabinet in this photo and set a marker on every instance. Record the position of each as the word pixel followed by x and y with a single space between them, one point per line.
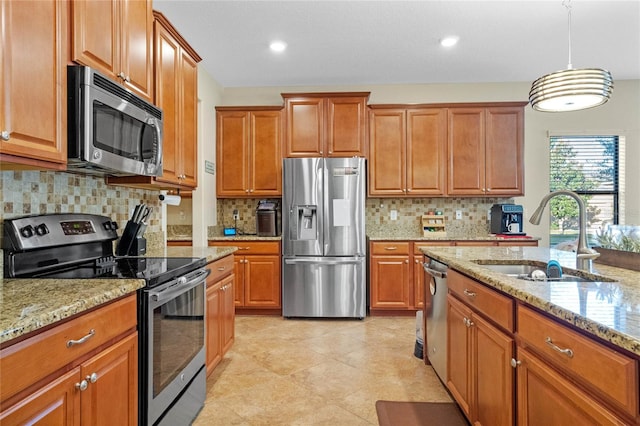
pixel 257 270
pixel 479 372
pixel 94 383
pixel 220 311
pixel 555 376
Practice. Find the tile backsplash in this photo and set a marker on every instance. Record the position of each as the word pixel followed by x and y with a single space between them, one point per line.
pixel 43 192
pixel 378 213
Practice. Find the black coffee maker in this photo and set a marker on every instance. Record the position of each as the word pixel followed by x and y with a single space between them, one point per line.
pixel 507 219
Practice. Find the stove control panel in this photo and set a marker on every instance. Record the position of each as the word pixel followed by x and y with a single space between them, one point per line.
pixel 35 232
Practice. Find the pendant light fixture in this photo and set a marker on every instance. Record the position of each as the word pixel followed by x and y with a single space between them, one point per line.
pixel 571 89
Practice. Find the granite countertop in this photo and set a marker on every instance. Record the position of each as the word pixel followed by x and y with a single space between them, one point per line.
pixel 30 304
pixel 608 310
pixel 244 238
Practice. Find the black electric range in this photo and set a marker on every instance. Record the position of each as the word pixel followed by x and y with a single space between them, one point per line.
pixel 77 246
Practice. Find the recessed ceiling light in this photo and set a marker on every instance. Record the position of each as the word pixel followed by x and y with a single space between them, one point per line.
pixel 449 41
pixel 278 46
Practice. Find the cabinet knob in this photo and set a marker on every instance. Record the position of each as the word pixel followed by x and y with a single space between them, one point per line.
pixel 515 363
pixel 127 79
pixel 121 75
pixel 82 385
pixel 406 261
pixel 5 135
pixel 92 378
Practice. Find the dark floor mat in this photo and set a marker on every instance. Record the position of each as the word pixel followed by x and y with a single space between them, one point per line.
pixel 394 413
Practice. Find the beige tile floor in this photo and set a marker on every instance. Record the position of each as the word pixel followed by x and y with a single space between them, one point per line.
pixel 317 372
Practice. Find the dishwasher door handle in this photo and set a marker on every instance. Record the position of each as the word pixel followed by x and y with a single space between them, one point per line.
pixel 433 272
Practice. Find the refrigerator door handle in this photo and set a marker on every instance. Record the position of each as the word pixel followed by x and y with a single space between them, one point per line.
pixel 350 261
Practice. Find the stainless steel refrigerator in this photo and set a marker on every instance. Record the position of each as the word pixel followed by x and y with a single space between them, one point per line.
pixel 323 238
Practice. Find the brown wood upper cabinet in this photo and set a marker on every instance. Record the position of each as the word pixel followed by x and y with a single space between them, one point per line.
pixel 176 93
pixel 114 37
pixel 407 153
pixel 249 151
pixel 33 111
pixel 486 150
pixel 325 124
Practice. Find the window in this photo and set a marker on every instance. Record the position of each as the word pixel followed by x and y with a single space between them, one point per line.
pixel 589 166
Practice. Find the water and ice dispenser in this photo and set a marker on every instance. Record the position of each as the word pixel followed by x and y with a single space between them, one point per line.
pixel 306 223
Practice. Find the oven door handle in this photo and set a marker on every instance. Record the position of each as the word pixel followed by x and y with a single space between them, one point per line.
pixel 181 286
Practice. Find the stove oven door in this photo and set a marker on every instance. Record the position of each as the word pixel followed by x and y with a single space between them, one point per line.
pixel 172 355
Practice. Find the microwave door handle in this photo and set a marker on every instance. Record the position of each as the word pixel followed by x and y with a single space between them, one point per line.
pixel 158 161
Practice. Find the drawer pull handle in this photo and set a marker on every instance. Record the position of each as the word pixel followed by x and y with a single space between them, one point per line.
pixel 221 268
pixel 469 293
pixel 391 248
pixel 568 352
pixel 82 339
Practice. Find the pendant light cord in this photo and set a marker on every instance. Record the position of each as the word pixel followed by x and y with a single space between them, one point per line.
pixel 567 4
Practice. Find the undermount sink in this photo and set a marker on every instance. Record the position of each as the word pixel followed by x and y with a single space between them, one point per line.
pixel 524 271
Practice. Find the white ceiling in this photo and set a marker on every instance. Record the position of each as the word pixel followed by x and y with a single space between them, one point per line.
pixel 392 42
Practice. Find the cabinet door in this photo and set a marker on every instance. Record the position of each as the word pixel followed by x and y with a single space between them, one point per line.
pixel 167 97
pixel 466 151
pixel 426 151
pixel 96 35
pixel 262 282
pixel 493 396
pixel 33 78
pixel 504 151
pixel 214 340
pixel 390 277
pixel 266 160
pixel 346 127
pixel 304 127
pixel 238 271
pixel 547 398
pixel 227 313
pixel 387 152
pixel 137 51
pixel 232 153
pixel 112 399
pixel 57 403
pixel 188 141
pixel 458 354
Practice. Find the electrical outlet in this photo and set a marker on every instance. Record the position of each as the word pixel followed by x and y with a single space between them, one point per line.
pixel 458 214
pixel 489 214
pixel 394 214
pixel 236 216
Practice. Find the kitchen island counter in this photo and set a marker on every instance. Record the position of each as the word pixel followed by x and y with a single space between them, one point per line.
pixel 608 310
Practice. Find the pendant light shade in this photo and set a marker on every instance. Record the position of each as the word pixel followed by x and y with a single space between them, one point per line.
pixel 571 89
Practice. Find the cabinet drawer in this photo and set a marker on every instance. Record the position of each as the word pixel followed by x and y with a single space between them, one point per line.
pixel 30 360
pixel 390 248
pixel 494 306
pixel 220 269
pixel 613 375
pixel 250 247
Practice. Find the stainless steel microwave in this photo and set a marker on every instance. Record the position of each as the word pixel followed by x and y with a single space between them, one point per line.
pixel 111 130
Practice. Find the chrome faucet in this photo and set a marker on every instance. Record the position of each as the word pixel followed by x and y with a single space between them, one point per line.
pixel 585 254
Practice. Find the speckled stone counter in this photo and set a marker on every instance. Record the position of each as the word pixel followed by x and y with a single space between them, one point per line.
pixel 244 238
pixel 30 304
pixel 608 310
pixel 459 233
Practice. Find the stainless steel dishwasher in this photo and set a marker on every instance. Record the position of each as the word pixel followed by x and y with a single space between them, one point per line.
pixel 436 316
